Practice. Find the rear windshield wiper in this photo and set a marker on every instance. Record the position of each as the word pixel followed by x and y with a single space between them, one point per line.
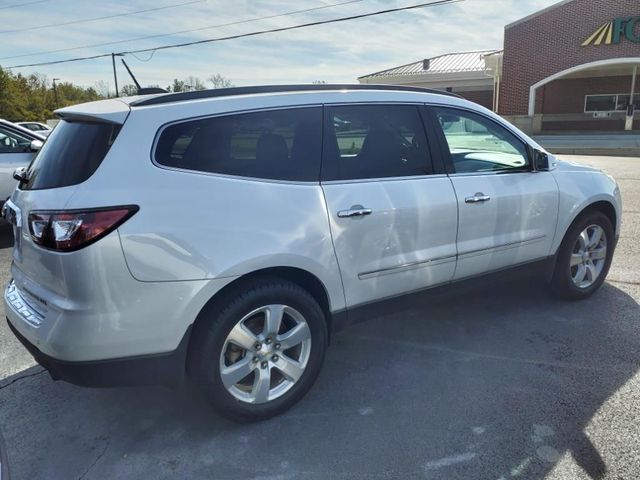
pixel 21 174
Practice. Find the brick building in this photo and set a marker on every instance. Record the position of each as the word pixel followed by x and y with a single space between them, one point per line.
pixel 572 66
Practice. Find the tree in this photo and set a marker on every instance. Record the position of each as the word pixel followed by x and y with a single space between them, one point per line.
pixel 13 99
pixel 187 84
pixel 32 98
pixel 194 83
pixel 70 94
pixel 177 86
pixel 218 81
pixel 128 90
pixel 103 88
pixel 37 100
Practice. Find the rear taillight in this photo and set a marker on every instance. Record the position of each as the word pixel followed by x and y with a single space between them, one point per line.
pixel 69 230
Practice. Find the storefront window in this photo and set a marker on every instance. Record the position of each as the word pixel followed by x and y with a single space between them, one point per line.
pixel 623 101
pixel 609 103
pixel 600 103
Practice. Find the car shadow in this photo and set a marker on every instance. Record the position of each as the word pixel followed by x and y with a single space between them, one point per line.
pixel 504 382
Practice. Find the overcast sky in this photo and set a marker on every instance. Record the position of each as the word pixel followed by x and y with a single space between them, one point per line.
pixel 335 53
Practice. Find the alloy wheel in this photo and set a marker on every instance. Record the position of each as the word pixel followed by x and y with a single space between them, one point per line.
pixel 265 354
pixel 588 256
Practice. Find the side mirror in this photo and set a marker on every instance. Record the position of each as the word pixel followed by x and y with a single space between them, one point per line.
pixel 542 161
pixel 35 145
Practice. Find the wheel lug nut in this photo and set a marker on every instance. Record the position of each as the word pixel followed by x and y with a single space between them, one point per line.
pixel 255 359
pixel 258 346
pixel 275 358
pixel 277 346
pixel 268 341
pixel 263 365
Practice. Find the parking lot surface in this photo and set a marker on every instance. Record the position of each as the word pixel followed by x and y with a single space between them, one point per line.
pixel 504 382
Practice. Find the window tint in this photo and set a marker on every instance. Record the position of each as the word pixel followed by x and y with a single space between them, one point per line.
pixel 11 142
pixel 478 144
pixel 277 144
pixel 71 154
pixel 374 141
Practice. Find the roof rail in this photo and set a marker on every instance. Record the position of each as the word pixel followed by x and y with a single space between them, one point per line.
pixel 229 92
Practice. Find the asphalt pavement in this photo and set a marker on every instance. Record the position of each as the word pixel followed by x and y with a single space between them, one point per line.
pixel 504 382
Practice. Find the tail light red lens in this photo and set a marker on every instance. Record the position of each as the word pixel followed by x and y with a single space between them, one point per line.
pixel 69 230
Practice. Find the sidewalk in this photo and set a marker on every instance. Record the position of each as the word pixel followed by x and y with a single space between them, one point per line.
pixel 618 144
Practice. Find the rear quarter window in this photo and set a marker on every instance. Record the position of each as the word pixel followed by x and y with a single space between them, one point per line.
pixel 280 144
pixel 71 154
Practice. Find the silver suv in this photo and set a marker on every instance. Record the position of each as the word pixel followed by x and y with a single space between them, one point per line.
pixel 226 235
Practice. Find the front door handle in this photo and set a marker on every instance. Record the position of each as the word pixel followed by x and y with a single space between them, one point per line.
pixel 477 198
pixel 355 211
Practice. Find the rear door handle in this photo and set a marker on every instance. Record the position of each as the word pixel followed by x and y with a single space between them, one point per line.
pixel 477 198
pixel 355 211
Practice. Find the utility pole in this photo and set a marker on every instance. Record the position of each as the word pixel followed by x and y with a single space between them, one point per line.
pixel 55 91
pixel 115 75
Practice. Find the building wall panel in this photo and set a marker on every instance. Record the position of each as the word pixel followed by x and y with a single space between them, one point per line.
pixel 551 42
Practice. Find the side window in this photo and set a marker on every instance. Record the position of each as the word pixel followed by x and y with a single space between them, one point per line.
pixel 478 144
pixel 276 144
pixel 11 142
pixel 374 141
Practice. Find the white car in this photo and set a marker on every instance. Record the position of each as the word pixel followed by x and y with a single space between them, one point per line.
pixel 17 148
pixel 226 235
pixel 37 127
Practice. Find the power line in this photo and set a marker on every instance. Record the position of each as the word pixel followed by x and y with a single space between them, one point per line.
pixel 145 60
pixel 179 32
pixel 294 27
pixel 105 17
pixel 244 35
pixel 24 4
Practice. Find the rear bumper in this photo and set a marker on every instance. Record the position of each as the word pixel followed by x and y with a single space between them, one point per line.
pixel 85 306
pixel 162 369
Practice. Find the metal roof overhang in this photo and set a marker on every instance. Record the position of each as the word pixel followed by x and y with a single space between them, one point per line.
pixel 481 76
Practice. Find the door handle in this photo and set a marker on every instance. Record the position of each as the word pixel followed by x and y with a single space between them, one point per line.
pixel 477 198
pixel 355 211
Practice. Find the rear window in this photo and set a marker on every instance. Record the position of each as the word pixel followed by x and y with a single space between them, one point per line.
pixel 278 144
pixel 71 154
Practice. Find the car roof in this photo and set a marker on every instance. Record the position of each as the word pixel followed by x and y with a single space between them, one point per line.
pixel 273 89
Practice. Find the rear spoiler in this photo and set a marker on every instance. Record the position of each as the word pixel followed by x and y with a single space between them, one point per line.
pixel 110 111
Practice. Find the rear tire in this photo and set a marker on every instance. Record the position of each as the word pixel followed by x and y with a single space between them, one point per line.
pixel 249 365
pixel 584 257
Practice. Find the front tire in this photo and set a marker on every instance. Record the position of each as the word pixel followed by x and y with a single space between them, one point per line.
pixel 257 353
pixel 584 257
